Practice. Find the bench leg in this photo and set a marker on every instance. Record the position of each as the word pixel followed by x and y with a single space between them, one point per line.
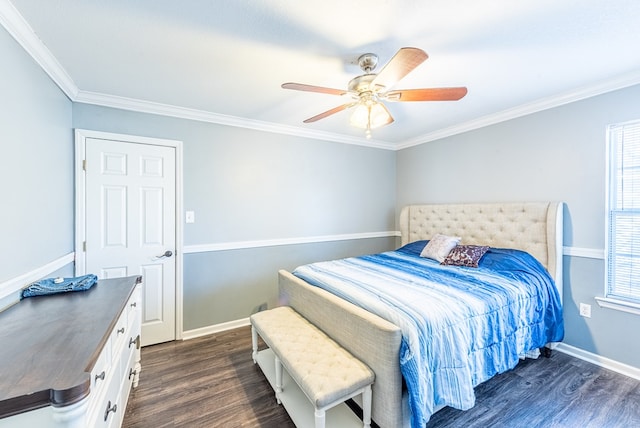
pixel 366 407
pixel 254 344
pixel 278 379
pixel 319 416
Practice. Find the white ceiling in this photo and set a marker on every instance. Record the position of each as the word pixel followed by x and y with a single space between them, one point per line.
pixel 224 61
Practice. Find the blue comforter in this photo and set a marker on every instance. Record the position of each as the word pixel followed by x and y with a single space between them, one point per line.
pixel 460 326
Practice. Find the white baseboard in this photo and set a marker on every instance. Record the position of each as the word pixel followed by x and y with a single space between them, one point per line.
pixel 607 363
pixel 216 328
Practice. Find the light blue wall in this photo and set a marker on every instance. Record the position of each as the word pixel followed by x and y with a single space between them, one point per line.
pixel 230 285
pixel 249 185
pixel 557 154
pixel 246 185
pixel 36 166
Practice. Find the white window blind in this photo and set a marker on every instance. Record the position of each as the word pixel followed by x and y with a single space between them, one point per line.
pixel 623 256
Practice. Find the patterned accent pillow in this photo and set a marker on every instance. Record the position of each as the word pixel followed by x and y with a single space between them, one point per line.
pixel 439 246
pixel 465 255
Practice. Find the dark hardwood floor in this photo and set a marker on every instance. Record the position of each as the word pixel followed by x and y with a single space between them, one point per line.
pixel 206 382
pixel 212 382
pixel 561 391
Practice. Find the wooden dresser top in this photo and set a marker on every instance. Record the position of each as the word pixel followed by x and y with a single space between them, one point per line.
pixel 50 344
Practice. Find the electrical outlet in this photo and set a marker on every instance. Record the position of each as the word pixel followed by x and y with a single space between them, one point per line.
pixel 585 310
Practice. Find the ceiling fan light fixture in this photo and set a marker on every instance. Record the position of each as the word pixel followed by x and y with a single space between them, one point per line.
pixel 370 114
pixel 360 116
pixel 379 116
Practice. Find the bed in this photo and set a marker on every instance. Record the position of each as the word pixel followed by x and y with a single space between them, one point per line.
pixel 535 228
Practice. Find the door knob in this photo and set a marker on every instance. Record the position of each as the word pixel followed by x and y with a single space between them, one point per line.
pixel 167 253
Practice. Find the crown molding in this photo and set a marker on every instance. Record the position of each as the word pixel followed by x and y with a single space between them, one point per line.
pixel 22 32
pixel 106 100
pixel 142 106
pixel 584 92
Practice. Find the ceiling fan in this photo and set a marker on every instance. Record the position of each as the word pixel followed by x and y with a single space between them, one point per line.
pixel 370 89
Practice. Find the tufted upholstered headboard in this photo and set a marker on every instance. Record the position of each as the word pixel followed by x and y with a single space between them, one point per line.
pixel 535 227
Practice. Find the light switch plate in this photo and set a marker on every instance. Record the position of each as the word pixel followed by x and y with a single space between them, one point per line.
pixel 190 217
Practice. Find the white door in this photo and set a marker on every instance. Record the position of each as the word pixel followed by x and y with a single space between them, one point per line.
pixel 130 224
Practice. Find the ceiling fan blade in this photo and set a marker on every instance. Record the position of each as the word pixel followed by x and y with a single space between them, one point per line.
pixel 430 94
pixel 311 88
pixel 402 63
pixel 328 112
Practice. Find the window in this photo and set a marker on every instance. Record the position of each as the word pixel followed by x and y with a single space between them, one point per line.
pixel 623 206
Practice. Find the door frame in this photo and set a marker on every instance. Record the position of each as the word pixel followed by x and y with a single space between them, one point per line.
pixel 81 136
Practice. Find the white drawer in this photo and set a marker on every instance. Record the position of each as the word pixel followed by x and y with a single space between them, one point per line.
pixel 101 371
pixel 119 334
pixel 132 344
pixel 114 360
pixel 106 408
pixel 134 306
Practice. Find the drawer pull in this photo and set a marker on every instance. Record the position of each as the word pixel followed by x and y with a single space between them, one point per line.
pixel 132 372
pixel 99 376
pixel 136 341
pixel 120 330
pixel 110 409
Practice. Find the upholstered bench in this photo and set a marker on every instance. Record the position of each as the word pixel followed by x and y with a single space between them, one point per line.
pixel 326 373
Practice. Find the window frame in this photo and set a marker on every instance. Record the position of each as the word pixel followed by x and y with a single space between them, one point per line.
pixel 612 300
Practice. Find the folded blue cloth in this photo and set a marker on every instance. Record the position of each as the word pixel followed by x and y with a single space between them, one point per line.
pixel 50 286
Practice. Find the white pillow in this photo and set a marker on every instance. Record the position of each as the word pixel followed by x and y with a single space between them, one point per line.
pixel 439 247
